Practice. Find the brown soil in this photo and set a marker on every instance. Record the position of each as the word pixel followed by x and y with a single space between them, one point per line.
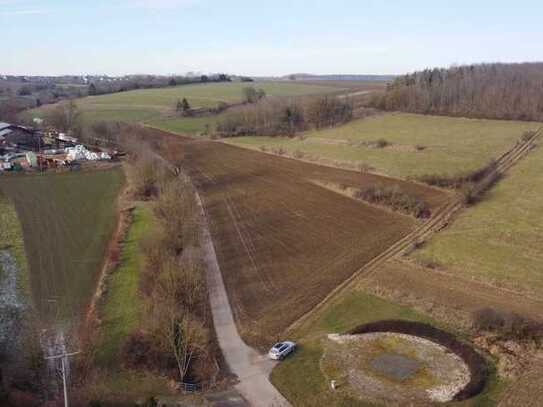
pixel 282 242
pixel 527 391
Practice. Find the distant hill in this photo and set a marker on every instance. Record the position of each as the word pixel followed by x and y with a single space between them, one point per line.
pixel 338 77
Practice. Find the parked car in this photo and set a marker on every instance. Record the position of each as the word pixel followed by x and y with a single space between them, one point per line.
pixel 281 349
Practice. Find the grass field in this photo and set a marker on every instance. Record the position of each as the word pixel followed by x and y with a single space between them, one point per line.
pixel 158 105
pixel 121 310
pixel 11 238
pixel 500 239
pixel 451 145
pixel 283 242
pixel 187 125
pixel 67 220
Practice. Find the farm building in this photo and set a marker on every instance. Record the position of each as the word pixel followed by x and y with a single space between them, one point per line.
pixel 23 137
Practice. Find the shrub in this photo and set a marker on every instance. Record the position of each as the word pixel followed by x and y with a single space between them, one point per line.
pixel 507 324
pixel 460 180
pixel 279 151
pixel 395 198
pixel 487 319
pixel 363 167
pixel 527 135
pixel 473 192
pixel 380 143
pixel 137 351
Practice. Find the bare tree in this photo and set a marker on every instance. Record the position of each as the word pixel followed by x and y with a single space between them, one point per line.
pixel 177 294
pixel 494 91
pixel 66 117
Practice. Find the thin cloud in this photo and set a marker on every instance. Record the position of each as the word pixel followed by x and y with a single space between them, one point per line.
pixel 162 4
pixel 23 12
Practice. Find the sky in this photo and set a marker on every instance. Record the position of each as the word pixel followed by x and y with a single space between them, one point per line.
pixel 263 38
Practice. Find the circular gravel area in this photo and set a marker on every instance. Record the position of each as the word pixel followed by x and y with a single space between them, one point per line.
pixel 394 368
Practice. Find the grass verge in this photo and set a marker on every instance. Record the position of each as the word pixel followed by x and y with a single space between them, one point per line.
pixel 11 238
pixel 121 310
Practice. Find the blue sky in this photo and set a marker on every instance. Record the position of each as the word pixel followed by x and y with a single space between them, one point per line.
pixel 263 37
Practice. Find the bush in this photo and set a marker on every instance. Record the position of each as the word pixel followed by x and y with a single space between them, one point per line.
pixel 395 198
pixel 298 154
pixel 462 180
pixel 380 143
pixel 509 325
pixel 527 136
pixel 363 167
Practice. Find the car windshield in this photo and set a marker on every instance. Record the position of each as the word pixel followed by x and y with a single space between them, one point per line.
pixel 278 345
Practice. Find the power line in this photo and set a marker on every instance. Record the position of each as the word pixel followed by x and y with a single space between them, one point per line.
pixel 62 357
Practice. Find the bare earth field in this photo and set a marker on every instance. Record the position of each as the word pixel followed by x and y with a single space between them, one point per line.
pixel 283 242
pixel 67 220
pixel 418 144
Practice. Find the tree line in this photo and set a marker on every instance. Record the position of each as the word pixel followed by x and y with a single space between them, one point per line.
pixel 174 336
pixel 263 116
pixel 493 91
pixel 150 82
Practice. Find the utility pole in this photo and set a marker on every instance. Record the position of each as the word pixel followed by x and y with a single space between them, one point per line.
pixel 62 357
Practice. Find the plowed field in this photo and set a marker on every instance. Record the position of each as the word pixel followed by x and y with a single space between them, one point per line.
pixel 283 242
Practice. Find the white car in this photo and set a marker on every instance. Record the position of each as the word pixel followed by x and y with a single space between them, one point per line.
pixel 281 349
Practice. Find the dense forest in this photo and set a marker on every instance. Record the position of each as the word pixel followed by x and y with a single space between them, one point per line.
pixel 494 91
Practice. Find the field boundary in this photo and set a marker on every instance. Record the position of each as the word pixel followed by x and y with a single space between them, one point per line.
pixel 440 219
pixel 111 260
pixel 325 165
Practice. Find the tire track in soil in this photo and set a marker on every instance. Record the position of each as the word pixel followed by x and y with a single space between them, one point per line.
pixel 526 391
pixel 438 221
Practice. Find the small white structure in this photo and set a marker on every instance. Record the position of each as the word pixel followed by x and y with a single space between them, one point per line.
pixel 80 153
